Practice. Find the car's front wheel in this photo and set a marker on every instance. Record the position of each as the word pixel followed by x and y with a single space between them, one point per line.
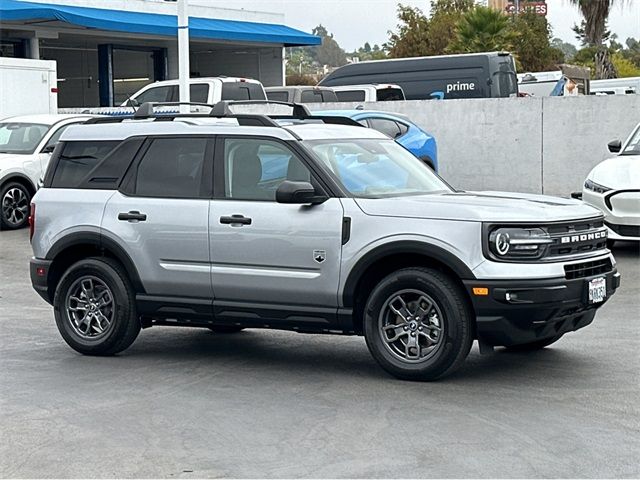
pixel 94 307
pixel 418 325
pixel 14 206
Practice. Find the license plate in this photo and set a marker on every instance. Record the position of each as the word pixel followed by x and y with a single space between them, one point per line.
pixel 597 290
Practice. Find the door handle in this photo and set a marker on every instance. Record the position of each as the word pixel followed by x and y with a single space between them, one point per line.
pixel 235 220
pixel 132 215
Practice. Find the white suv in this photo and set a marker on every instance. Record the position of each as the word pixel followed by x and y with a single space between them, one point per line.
pixel 26 144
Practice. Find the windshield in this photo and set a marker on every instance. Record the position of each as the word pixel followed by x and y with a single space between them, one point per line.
pixel 375 168
pixel 633 145
pixel 21 137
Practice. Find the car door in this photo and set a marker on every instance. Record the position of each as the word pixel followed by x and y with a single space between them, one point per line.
pixel 160 216
pixel 264 254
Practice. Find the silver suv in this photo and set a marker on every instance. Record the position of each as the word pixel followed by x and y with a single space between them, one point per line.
pixel 306 224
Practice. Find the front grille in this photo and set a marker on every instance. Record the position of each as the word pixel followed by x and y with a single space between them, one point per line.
pixel 625 230
pixel 576 238
pixel 587 269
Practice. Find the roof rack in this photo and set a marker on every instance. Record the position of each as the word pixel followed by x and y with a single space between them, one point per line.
pixel 221 109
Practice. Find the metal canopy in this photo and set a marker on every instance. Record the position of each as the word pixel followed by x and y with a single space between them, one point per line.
pixel 155 23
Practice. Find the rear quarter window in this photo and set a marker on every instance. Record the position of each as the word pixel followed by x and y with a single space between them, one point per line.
pixel 278 96
pixel 76 160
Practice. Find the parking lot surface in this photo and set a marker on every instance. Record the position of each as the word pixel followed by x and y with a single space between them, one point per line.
pixel 190 403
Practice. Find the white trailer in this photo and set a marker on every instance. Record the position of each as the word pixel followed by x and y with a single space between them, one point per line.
pixel 616 86
pixel 27 87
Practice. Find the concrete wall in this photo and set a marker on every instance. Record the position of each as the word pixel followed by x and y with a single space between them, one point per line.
pixel 535 145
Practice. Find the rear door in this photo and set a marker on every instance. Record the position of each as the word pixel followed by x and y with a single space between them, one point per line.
pixel 264 254
pixel 160 216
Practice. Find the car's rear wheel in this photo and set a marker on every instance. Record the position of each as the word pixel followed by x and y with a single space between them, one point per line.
pixel 225 329
pixel 94 307
pixel 14 206
pixel 418 325
pixel 533 346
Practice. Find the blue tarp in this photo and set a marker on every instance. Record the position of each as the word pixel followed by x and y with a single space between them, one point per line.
pixel 155 23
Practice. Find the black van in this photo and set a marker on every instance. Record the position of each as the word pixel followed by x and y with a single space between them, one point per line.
pixel 473 75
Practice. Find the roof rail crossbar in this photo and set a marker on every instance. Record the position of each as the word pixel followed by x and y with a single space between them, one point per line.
pixel 221 109
pixel 329 119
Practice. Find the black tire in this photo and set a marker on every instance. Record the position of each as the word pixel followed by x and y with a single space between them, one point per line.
pixel 124 326
pixel 533 346
pixel 457 319
pixel 225 329
pixel 14 215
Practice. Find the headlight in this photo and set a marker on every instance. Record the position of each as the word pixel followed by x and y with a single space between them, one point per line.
pixel 594 187
pixel 516 243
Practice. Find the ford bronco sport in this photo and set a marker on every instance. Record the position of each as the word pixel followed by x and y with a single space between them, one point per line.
pixel 311 224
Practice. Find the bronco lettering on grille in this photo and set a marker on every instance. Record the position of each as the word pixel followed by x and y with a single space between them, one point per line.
pixel 584 237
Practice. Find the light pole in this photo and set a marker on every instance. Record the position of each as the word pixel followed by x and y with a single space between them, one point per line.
pixel 183 54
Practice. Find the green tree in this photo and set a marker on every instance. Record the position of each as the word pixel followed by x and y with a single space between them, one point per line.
pixel 568 49
pixel 532 43
pixel 412 39
pixel 595 14
pixel 419 35
pixel 624 66
pixel 329 52
pixel 483 29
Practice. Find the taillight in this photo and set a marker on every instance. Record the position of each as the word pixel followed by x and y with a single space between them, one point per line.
pixel 32 221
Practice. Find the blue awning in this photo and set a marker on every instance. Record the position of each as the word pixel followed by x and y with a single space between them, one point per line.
pixel 155 23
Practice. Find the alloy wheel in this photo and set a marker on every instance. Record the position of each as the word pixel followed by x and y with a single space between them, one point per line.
pixel 15 206
pixel 90 307
pixel 411 325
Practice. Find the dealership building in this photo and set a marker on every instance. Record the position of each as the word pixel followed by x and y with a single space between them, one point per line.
pixel 107 49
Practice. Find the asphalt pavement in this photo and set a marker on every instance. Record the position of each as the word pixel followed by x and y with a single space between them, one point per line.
pixel 188 403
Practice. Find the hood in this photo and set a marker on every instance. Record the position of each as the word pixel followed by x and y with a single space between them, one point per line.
pixel 619 173
pixel 480 207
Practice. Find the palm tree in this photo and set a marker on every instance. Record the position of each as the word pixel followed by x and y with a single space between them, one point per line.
pixel 595 13
pixel 482 29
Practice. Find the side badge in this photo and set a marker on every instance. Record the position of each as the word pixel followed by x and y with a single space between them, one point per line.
pixel 319 255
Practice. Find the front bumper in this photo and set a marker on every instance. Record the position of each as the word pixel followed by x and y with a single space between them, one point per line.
pixel 519 312
pixel 621 212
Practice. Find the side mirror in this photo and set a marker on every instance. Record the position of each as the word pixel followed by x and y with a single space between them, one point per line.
pixel 49 148
pixel 133 103
pixel 614 146
pixel 298 192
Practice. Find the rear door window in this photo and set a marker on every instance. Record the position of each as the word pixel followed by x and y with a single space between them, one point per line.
pixel 199 92
pixel 310 96
pixel 388 127
pixel 242 91
pixel 172 168
pixel 351 96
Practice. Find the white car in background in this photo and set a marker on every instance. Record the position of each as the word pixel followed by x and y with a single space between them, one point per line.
pixel 26 143
pixel 613 186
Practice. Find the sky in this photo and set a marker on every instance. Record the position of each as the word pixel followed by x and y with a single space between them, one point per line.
pixel 354 22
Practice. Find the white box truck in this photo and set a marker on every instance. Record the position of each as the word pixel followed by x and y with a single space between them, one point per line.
pixel 27 87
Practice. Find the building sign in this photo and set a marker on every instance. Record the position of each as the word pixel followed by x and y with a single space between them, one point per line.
pixel 538 7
